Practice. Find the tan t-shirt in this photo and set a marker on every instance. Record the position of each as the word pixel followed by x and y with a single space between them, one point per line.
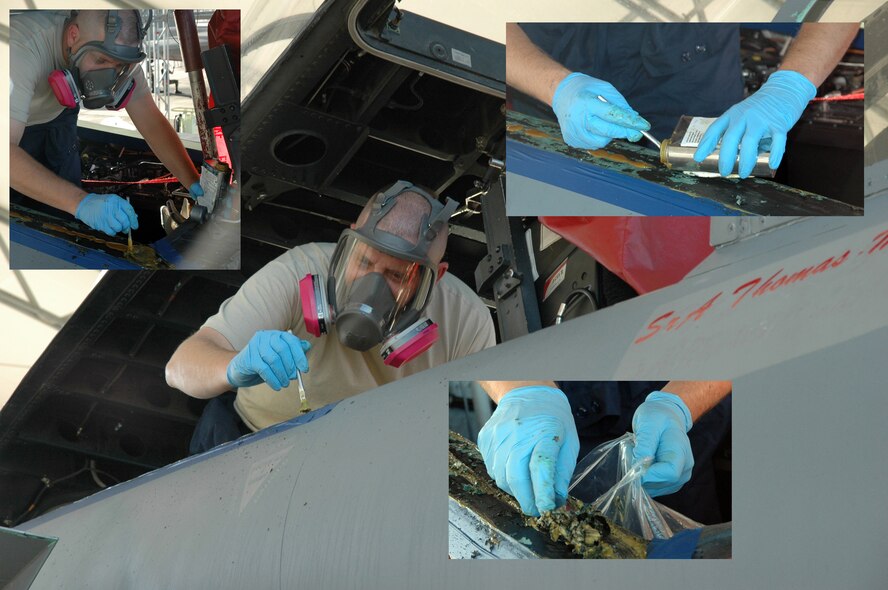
pixel 35 51
pixel 269 300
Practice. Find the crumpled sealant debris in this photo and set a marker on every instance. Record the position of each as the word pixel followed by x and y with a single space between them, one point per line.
pixel 586 532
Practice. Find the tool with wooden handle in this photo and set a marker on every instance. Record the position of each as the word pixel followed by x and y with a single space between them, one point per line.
pixel 302 397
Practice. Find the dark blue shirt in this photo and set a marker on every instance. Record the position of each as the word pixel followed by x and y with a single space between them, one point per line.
pixel 664 70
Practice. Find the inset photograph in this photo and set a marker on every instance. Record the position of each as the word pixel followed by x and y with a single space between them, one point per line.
pixel 124 129
pixel 590 469
pixel 677 119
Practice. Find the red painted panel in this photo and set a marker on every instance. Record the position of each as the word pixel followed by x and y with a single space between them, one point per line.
pixel 646 252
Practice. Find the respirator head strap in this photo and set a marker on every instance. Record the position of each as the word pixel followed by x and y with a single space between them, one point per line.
pixel 429 227
pixel 129 54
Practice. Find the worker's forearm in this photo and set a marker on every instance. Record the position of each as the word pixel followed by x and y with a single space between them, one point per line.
pixel 699 396
pixel 199 368
pixel 528 68
pixel 817 49
pixel 162 138
pixel 31 178
pixel 167 146
pixel 497 389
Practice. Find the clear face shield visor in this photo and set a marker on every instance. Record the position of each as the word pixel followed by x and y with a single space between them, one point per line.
pixel 380 283
pixel 103 69
pixel 374 294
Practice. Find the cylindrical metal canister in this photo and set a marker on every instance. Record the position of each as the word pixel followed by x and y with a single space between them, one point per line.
pixel 677 152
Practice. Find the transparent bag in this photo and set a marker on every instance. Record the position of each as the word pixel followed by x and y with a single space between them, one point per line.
pixel 607 479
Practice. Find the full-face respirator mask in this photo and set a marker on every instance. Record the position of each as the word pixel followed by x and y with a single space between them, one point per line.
pixel 379 283
pixel 110 87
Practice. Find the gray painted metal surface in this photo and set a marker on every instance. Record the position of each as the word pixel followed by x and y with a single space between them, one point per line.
pixel 358 497
pixel 470 537
pixel 21 557
pixel 723 230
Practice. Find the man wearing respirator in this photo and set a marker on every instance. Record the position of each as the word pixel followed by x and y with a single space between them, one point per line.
pixel 60 62
pixel 373 308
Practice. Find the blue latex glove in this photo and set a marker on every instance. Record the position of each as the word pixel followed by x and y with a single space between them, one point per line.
pixel 530 447
pixel 271 356
pixel 195 190
pixel 769 113
pixel 107 213
pixel 588 123
pixel 660 425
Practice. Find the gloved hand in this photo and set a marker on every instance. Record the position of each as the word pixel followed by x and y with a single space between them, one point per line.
pixel 588 123
pixel 769 113
pixel 660 425
pixel 530 447
pixel 271 356
pixel 107 213
pixel 195 190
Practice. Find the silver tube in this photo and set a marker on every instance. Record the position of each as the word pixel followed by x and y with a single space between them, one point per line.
pixel 677 152
pixel 679 157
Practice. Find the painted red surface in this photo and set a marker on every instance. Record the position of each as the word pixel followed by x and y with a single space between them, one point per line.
pixel 646 252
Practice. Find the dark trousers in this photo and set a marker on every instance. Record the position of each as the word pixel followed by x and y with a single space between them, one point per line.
pixel 218 424
pixel 55 145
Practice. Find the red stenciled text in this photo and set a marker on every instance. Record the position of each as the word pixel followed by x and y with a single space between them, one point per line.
pixel 757 288
pixel 880 242
pixel 669 322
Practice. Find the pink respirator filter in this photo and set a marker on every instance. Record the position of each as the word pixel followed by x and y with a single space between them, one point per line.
pixel 314 305
pixel 410 343
pixel 62 84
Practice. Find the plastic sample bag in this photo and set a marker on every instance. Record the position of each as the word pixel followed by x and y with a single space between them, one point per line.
pixel 608 480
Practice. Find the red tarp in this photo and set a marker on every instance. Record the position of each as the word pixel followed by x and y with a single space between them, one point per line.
pixel 646 252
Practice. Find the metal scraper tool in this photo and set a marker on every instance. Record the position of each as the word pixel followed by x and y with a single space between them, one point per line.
pixel 645 133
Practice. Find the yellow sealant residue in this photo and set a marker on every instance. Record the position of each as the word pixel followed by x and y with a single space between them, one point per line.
pixel 91 238
pixel 143 255
pixel 618 158
pixel 529 132
pixel 516 128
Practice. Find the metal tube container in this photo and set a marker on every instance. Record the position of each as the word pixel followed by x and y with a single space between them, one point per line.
pixel 677 152
pixel 194 66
